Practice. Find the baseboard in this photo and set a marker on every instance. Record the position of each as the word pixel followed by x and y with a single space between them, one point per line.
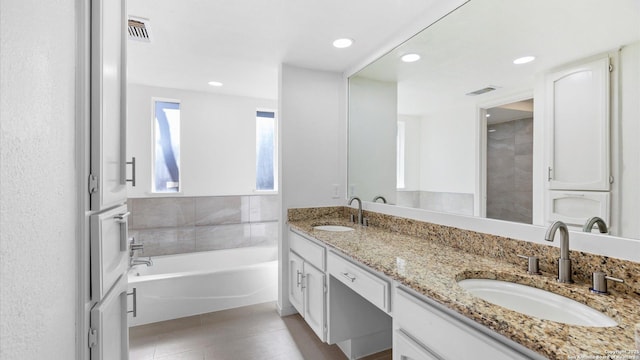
pixel 286 311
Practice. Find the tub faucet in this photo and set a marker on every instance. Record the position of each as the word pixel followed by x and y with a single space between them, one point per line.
pixel 359 208
pixel 380 197
pixel 602 226
pixel 138 261
pixel 564 263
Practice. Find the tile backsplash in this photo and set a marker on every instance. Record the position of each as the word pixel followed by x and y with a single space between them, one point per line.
pixel 174 225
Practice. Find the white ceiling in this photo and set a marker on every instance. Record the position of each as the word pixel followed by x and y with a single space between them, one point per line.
pixel 474 47
pixel 242 43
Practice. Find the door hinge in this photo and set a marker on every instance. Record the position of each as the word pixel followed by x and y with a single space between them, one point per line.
pixel 325 288
pixel 610 179
pixel 93 337
pixel 610 67
pixel 93 183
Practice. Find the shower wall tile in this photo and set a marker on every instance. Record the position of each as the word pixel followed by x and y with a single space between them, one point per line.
pixel 223 237
pixel 409 198
pixel 176 225
pixel 221 210
pixel 264 234
pixel 264 208
pixel 510 171
pixel 163 212
pixel 166 241
pixel 455 203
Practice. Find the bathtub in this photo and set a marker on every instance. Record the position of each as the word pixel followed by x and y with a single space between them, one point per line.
pixel 196 283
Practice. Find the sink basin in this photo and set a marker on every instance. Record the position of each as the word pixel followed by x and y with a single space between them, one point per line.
pixel 536 302
pixel 333 228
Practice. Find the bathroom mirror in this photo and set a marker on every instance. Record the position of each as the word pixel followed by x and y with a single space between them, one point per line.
pixel 461 126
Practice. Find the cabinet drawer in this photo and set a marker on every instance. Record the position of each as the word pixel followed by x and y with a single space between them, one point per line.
pixel 366 284
pixel 307 249
pixel 442 334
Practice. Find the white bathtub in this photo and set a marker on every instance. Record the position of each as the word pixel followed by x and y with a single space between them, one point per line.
pixel 189 284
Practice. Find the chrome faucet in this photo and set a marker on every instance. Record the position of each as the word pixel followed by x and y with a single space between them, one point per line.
pixel 138 261
pixel 564 263
pixel 359 208
pixel 380 197
pixel 133 246
pixel 602 226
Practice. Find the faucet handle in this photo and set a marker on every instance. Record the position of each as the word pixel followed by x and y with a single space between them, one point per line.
pixel 599 282
pixel 532 267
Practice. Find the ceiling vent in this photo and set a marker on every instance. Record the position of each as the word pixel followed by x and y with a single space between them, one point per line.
pixel 139 29
pixel 482 91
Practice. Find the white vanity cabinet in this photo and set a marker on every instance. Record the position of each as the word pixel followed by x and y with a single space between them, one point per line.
pixel 424 331
pixel 307 282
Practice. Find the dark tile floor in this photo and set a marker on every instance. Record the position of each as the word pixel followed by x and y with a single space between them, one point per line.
pixel 248 333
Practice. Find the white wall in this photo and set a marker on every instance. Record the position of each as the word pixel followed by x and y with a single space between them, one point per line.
pixel 38 208
pixel 312 147
pixel 218 140
pixel 373 111
pixel 446 165
pixel 630 141
pixel 412 151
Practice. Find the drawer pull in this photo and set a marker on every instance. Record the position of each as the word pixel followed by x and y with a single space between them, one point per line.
pixel 349 276
pixel 298 278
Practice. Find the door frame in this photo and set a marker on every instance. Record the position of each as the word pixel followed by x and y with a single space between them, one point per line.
pixel 480 198
pixel 83 166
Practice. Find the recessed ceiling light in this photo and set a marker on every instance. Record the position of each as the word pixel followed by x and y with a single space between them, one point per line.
pixel 342 43
pixel 215 83
pixel 488 115
pixel 524 60
pixel 410 57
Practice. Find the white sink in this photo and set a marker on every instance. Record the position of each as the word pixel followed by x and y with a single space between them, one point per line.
pixel 333 228
pixel 536 302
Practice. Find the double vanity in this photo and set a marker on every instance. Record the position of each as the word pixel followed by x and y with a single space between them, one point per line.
pixel 437 292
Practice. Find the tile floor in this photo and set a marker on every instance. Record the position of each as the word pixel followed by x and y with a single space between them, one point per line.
pixel 248 333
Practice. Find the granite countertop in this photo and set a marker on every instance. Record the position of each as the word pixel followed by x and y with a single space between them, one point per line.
pixel 433 269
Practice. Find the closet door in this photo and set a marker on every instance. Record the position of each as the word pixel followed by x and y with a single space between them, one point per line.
pixel 109 333
pixel 107 182
pixel 109 250
pixel 578 111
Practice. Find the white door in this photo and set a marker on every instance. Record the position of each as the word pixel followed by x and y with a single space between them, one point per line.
pixel 296 274
pixel 109 333
pixel 108 104
pixel 109 250
pixel 578 111
pixel 314 300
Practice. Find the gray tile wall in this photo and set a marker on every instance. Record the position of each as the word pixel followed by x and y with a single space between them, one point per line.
pixel 510 171
pixel 453 203
pixel 175 225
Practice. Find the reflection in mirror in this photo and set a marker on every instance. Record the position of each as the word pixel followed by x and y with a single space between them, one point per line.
pixel 469 130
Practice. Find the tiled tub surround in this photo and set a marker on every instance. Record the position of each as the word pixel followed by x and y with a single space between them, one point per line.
pixel 175 225
pixel 431 258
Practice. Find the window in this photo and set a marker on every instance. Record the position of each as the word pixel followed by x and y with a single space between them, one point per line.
pixel 266 151
pixel 166 146
pixel 400 155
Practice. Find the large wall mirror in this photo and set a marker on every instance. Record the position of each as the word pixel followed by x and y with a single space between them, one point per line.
pixel 523 111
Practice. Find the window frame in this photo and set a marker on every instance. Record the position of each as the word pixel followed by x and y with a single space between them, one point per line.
pixel 276 152
pixel 153 190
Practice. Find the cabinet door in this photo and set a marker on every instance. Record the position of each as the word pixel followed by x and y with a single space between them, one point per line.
pixel 108 104
pixel 404 348
pixel 109 329
pixel 109 255
pixel 314 300
pixel 296 275
pixel 574 208
pixel 578 109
